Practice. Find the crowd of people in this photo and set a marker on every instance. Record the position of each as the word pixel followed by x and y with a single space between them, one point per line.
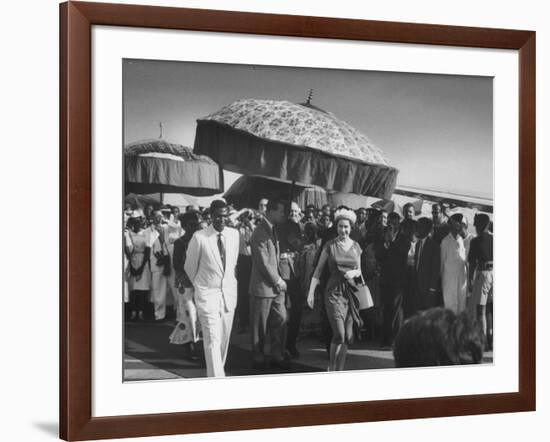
pixel 279 270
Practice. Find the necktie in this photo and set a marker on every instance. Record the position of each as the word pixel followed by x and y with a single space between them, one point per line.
pixel 221 249
pixel 276 239
pixel 419 245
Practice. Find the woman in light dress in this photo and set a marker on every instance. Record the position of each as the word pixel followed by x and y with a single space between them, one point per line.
pixel 343 257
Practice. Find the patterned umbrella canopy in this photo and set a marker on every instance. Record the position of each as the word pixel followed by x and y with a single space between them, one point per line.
pixel 296 143
pixel 160 166
pixel 247 191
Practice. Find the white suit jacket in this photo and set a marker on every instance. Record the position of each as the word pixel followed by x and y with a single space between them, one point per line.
pixel 204 267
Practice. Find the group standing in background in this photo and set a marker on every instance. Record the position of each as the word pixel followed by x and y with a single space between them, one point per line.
pixel 277 272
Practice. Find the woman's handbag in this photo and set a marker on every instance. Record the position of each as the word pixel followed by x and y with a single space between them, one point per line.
pixel 362 294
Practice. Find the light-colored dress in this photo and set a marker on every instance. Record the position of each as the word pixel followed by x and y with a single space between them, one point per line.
pixel 454 272
pixel 136 243
pixel 340 313
pixel 187 327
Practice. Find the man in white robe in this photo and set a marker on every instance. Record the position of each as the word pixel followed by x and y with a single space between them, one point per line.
pixel 454 265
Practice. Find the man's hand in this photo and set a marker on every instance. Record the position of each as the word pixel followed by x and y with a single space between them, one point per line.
pixel 281 285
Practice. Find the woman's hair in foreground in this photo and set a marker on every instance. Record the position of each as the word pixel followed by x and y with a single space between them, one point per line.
pixel 438 337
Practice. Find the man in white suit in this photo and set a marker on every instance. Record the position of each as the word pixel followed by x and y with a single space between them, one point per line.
pixel 210 265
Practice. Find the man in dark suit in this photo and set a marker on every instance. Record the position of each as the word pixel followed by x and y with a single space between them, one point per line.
pixel 291 242
pixel 427 264
pixel 267 289
pixel 400 301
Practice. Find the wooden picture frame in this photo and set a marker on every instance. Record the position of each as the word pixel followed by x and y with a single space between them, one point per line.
pixel 76 21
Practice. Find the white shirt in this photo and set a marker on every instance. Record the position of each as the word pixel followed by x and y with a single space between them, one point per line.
pixel 410 255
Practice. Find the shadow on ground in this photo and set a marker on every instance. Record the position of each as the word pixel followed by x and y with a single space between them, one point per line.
pixel 147 347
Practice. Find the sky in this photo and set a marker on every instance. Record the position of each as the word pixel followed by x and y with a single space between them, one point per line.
pixel 436 129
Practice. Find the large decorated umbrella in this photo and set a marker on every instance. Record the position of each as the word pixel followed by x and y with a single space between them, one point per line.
pixel 297 143
pixel 159 166
pixel 248 190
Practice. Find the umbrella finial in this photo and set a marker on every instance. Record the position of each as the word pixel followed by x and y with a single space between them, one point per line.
pixel 160 126
pixel 309 96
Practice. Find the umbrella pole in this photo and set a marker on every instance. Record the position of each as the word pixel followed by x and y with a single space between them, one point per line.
pixel 162 197
pixel 292 186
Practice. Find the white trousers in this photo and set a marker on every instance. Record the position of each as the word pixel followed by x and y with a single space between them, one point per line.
pixel 158 294
pixel 216 327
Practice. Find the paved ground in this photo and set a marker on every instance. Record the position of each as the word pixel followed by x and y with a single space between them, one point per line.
pixel 149 355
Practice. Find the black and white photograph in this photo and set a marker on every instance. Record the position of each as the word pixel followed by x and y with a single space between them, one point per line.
pixel 283 220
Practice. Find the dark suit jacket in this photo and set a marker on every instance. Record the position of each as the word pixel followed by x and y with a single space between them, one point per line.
pixel 265 262
pixel 291 241
pixel 402 278
pixel 428 273
pixel 397 263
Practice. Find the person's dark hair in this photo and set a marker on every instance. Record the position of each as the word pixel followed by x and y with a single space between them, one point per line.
pixel 458 217
pixel 310 206
pixel 273 204
pixel 408 224
pixel 188 217
pixel 377 215
pixel 372 216
pixel 438 205
pixel 407 206
pixel 438 337
pixel 132 222
pixel 394 216
pixel 481 221
pixel 425 223
pixel 217 204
